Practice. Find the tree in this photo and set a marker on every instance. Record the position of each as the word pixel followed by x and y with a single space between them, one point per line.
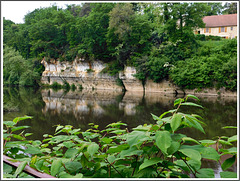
pixel 17 70
pixel 214 9
pixel 129 33
pixel 48 29
pixel 230 8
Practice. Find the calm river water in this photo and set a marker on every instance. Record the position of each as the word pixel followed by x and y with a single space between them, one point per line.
pixel 79 108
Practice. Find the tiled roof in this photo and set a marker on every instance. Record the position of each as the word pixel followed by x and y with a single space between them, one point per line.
pixel 220 20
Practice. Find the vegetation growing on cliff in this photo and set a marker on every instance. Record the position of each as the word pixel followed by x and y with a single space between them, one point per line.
pixel 153 37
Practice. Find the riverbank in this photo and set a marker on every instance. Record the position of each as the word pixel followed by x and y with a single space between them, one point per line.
pixel 89 75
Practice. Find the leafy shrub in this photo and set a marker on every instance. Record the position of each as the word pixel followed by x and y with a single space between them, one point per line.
pixel 17 70
pixel 214 63
pixel 152 151
pixel 112 68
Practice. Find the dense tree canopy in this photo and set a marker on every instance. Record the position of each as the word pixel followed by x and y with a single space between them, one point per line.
pixel 152 37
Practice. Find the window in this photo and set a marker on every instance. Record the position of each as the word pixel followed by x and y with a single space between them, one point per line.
pixel 207 30
pixel 231 28
pixel 222 29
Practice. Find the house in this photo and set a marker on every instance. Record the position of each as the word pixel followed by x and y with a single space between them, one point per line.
pixel 220 25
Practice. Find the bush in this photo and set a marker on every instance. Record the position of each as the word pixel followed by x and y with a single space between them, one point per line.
pixel 214 63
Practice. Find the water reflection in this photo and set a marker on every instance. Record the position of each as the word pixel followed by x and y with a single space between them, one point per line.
pixel 79 108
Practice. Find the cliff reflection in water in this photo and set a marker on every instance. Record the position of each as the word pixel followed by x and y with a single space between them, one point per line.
pixel 134 108
pixel 95 103
pixel 79 108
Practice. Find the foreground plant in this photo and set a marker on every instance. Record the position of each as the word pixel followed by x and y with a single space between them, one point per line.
pixel 151 151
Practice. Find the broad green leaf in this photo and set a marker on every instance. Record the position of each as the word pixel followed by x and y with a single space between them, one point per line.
pixel 71 152
pixel 9 123
pixel 106 140
pixel 118 124
pixel 196 164
pixel 209 153
pixel 17 119
pixel 33 150
pixel 163 140
pixel 205 173
pixel 28 134
pixel 192 96
pixel 66 175
pixel 191 153
pixel 191 104
pixel 175 145
pixel 156 118
pixel 163 114
pixel 20 168
pixel 177 137
pixel 223 142
pixel 176 122
pixel 73 167
pixel 178 101
pixel 207 142
pixel 47 150
pixel 142 128
pixel 111 158
pixel 232 139
pixel 19 128
pixel 119 148
pixel 55 167
pixel 190 140
pixel 150 162
pixel 93 148
pixel 182 165
pixel 131 151
pixel 134 137
pixel 118 131
pixel 192 121
pixel 68 144
pixel 228 175
pixel 18 137
pixel 227 127
pixel 228 163
pixel 58 128
pixel 7 168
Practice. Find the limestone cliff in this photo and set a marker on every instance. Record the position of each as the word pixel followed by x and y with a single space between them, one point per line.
pixel 89 75
pixel 79 72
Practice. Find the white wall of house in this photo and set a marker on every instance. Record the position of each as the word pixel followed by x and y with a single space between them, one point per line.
pixel 231 32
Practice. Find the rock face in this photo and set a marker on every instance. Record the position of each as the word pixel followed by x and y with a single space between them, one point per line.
pixel 163 87
pixel 89 75
pixel 130 82
pixel 79 72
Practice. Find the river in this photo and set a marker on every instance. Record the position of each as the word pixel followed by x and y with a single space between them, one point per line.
pixel 79 108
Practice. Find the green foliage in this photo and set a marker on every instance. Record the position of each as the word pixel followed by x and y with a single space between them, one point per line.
pixel 215 64
pixel 152 37
pixel 153 151
pixel 203 37
pixel 17 70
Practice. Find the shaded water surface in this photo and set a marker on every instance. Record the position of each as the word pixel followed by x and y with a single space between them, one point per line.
pixel 79 108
